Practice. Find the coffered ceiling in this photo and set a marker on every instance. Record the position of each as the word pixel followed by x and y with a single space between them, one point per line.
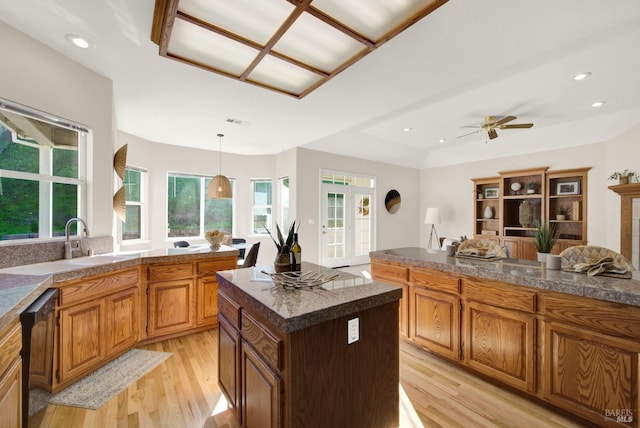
pixel 464 61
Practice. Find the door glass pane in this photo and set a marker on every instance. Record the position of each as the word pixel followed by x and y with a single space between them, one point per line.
pixel 335 234
pixel 362 225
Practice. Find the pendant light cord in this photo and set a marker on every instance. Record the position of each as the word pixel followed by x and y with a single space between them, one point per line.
pixel 220 155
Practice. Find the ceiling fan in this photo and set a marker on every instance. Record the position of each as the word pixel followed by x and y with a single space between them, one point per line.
pixel 491 123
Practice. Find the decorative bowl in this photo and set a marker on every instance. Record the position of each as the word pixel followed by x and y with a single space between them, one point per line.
pixel 215 238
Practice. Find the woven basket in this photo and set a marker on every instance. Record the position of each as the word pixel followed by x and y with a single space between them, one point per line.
pixel 119 204
pixel 487 246
pixel 120 161
pixel 590 253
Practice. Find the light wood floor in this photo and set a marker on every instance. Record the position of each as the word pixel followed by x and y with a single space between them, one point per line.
pixel 183 392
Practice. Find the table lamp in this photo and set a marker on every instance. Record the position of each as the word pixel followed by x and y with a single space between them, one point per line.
pixel 432 217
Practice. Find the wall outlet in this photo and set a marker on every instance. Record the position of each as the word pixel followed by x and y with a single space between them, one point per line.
pixel 353 327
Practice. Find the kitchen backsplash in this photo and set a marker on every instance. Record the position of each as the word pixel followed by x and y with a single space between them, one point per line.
pixel 38 252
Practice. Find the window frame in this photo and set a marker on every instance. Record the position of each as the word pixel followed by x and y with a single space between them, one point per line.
pixel 143 204
pixel 271 226
pixel 203 197
pixel 45 177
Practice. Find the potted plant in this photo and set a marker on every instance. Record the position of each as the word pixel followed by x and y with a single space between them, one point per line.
pixel 531 188
pixel 625 177
pixel 282 262
pixel 562 213
pixel 545 238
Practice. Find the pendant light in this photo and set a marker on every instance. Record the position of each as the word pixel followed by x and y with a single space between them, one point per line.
pixel 220 187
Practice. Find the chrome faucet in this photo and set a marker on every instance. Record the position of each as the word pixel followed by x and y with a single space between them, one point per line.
pixel 67 243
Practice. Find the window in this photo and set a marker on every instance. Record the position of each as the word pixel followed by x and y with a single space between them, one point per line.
pixel 41 173
pixel 283 184
pixel 261 206
pixel 134 184
pixel 190 212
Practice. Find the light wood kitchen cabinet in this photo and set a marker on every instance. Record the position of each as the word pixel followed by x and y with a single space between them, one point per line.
pixel 82 339
pixel 434 312
pixel 11 376
pixel 579 354
pixel 591 358
pixel 122 311
pixel 97 321
pixel 501 343
pixel 398 275
pixel 171 307
pixel 182 296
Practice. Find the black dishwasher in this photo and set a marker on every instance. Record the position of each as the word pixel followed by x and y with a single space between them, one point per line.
pixel 37 346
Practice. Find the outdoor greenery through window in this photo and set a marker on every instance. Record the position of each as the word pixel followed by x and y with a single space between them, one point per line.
pixel 262 206
pixel 134 179
pixel 190 212
pixel 40 175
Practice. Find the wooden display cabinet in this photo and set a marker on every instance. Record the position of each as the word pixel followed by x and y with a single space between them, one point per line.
pixel 546 193
pixel 566 209
pixel 486 194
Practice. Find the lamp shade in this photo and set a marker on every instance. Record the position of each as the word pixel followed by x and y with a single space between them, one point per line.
pixel 432 216
pixel 220 187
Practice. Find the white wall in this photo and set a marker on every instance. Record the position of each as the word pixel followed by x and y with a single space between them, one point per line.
pixel 39 77
pixel 437 185
pixel 392 230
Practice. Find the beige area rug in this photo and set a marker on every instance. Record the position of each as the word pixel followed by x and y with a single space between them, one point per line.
pixel 95 390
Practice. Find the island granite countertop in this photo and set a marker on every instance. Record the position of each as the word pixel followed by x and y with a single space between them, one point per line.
pixel 295 309
pixel 21 285
pixel 521 272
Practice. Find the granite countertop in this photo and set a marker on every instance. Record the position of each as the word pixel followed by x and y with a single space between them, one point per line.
pixel 21 285
pixel 521 272
pixel 294 309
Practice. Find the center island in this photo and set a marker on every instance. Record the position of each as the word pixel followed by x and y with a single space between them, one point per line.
pixel 316 356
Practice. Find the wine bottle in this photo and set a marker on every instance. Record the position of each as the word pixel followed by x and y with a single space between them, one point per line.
pixel 296 251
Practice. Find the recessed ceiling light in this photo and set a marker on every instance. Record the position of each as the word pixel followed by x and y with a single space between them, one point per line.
pixel 441 140
pixel 598 104
pixel 78 41
pixel 407 129
pixel 582 76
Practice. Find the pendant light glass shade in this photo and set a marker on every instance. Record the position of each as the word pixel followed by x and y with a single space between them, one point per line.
pixel 220 186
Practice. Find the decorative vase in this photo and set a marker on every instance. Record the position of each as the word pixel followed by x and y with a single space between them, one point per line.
pixel 282 263
pixel 525 214
pixel 488 213
pixel 624 179
pixel 542 257
pixel 561 217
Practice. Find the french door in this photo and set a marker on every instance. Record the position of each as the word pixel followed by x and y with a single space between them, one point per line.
pixel 347 231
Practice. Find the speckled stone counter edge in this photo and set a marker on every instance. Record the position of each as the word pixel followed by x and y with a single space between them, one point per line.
pixel 524 273
pixel 19 291
pixel 379 294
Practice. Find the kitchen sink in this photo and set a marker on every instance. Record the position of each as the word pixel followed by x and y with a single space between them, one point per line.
pixel 102 259
pixel 46 268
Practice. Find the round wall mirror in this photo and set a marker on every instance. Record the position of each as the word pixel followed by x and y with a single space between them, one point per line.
pixel 392 201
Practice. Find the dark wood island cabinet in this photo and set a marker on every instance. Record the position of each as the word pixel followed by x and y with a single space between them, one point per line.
pixel 310 357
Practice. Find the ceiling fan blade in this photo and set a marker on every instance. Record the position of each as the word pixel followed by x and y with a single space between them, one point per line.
pixel 517 125
pixel 505 120
pixel 474 132
pixel 492 134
